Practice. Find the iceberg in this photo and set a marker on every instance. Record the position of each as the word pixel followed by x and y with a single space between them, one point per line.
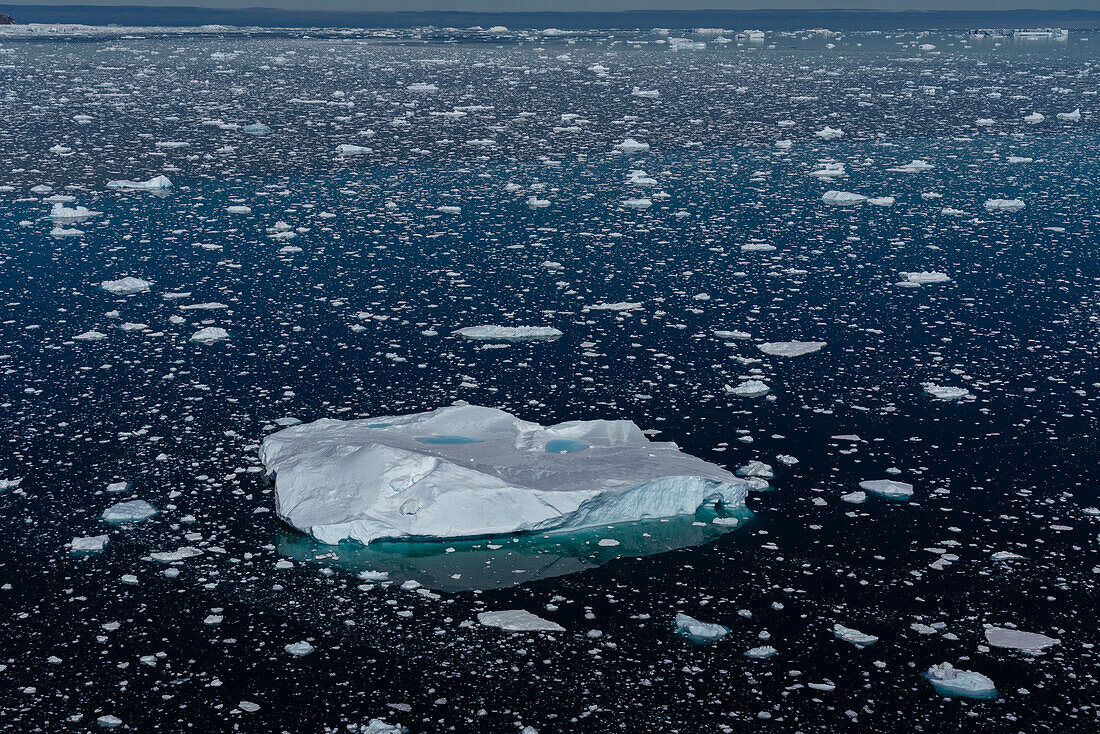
pixel 842 198
pixel 1074 116
pixel 789 349
pixel 857 638
pixel 60 211
pixel 88 544
pixel 508 333
pixel 126 286
pixel 630 145
pixel 132 511
pixel 467 471
pixel 748 389
pixel 829 133
pixel 153 184
pixel 888 488
pixel 1008 205
pixel 1018 640
pixel 518 620
pixel 945 392
pixel 915 166
pixel 925 277
pixel 696 631
pixel 209 335
pixel 346 149
pixel 950 681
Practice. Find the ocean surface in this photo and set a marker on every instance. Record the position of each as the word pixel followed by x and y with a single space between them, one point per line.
pixel 489 184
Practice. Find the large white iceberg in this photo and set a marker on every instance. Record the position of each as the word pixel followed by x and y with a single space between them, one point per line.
pixel 950 681
pixel 467 471
pixel 154 184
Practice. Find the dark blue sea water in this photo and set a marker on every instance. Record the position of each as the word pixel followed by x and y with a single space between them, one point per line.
pixel 352 317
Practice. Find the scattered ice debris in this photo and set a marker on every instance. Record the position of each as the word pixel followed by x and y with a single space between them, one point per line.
pixel 155 183
pixel 88 544
pixel 748 389
pixel 843 198
pixel 518 620
pixel 467 470
pixel 209 335
pixel 6 484
pixel 126 286
pixel 950 681
pixel 1007 205
pixel 857 638
pixel 888 488
pixel 299 649
pixel 132 511
pixel 509 333
pixel 1018 640
pixel 696 631
pixel 943 392
pixel 789 349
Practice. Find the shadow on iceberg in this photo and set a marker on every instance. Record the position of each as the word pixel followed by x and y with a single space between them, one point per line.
pixel 501 562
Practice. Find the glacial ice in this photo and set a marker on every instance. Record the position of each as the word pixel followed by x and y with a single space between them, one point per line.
pixel 789 349
pixel 509 333
pixel 88 544
pixel 944 392
pixel 842 198
pixel 888 488
pixel 60 211
pixel 126 286
pixel 1008 205
pixel 950 681
pixel 1018 640
pixel 748 389
pixel 466 471
pixel 153 184
pixel 132 511
pixel 857 638
pixel 697 631
pixel 209 335
pixel 518 620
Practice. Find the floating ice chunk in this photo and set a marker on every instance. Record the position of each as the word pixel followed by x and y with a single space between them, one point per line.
pixel 1019 159
pixel 943 392
pixel 1008 205
pixel 1074 116
pixel 1035 118
pixel 732 334
pixel 536 203
pixel 829 133
pixel 66 232
pixel 518 620
pixel 118 486
pixel 422 87
pixel 762 652
pixel 180 554
pixel 638 203
pixel 757 247
pixel 645 93
pixel 748 389
pixel 256 128
pixel 888 488
pixel 926 277
pixel 209 335
pixel 132 511
pixel 855 637
pixel 90 336
pixel 107 721
pixel 6 484
pixel 829 170
pixel 789 349
pixel 783 144
pixel 88 544
pixel 842 198
pixel 155 183
pixel 1007 556
pixel 60 211
pixel 61 149
pixel 509 333
pixel 856 498
pixel 468 471
pixel 126 286
pixel 630 145
pixel 377 726
pixel 950 681
pixel 449 209
pixel 696 631
pixel 299 649
pixel 346 149
pixel 916 166
pixel 756 469
pixel 950 212
pixel 238 209
pixel 1018 640
pixel 881 201
pixel 619 306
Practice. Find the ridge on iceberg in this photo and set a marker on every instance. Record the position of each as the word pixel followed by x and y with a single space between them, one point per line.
pixel 469 471
pixel 155 183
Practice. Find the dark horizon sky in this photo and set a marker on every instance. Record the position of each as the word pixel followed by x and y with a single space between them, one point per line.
pixel 574 6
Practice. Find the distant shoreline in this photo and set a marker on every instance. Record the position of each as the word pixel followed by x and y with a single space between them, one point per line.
pixel 184 16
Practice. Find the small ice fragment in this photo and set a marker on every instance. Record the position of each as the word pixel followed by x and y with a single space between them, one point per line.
pixel 857 638
pixel 299 649
pixel 132 511
pixel 88 544
pixel 126 286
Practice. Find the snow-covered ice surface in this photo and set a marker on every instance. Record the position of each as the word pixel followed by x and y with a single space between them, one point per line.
pixel 950 681
pixel 467 471
pixel 342 277
pixel 509 333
